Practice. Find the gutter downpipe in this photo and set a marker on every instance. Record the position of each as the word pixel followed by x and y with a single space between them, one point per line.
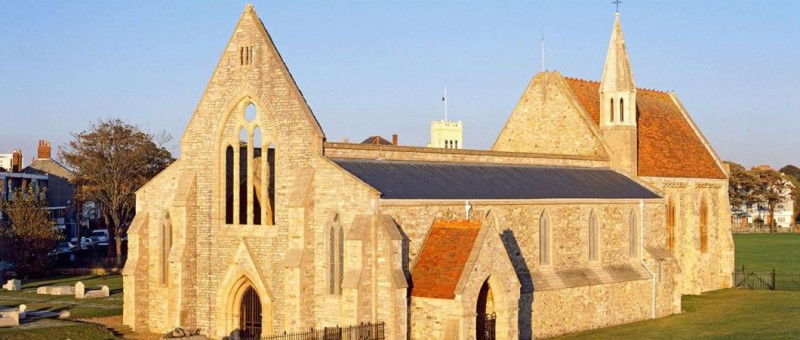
pixel 641 257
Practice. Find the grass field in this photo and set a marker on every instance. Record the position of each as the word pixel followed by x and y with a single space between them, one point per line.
pixel 764 252
pixel 78 309
pixel 731 313
pixel 723 314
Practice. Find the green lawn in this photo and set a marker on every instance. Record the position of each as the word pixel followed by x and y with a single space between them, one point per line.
pixel 75 331
pixel 723 314
pixel 764 252
pixel 731 313
pixel 78 309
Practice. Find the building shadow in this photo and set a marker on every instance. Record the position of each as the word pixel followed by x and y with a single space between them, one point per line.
pixel 526 283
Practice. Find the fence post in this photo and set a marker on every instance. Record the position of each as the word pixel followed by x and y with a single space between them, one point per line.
pixel 773 279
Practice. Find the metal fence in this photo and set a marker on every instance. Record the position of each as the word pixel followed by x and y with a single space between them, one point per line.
pixel 363 331
pixel 765 280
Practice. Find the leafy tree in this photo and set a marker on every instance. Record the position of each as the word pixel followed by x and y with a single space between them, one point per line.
pixel 111 161
pixel 793 173
pixel 740 185
pixel 30 235
pixel 771 188
pixel 791 170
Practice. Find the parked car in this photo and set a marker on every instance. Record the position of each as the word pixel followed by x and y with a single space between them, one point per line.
pixel 63 247
pixel 86 242
pixel 100 236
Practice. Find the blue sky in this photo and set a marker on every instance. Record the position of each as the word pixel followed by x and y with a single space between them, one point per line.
pixel 734 64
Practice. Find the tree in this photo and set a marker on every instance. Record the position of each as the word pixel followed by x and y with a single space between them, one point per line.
pixel 791 170
pixel 793 173
pixel 770 188
pixel 30 235
pixel 741 184
pixel 111 161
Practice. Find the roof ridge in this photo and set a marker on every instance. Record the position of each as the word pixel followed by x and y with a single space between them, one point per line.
pixel 583 80
pixel 597 82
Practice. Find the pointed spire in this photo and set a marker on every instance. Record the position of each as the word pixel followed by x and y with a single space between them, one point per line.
pixel 617 74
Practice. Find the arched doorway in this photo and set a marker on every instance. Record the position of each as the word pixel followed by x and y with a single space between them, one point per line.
pixel 250 315
pixel 485 317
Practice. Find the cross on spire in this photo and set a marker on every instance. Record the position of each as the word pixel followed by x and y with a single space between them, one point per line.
pixel 617 2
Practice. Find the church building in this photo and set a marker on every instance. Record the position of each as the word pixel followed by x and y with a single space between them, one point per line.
pixel 599 204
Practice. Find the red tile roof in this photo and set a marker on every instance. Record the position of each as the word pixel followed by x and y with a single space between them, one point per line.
pixel 443 257
pixel 668 146
pixel 377 140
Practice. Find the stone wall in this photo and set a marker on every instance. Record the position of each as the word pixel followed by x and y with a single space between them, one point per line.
pixel 410 153
pixel 711 270
pixel 548 119
pixel 518 225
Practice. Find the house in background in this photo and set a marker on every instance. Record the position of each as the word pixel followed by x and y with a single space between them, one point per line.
pixel 44 174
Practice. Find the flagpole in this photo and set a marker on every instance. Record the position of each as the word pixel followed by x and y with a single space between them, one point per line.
pixel 445 104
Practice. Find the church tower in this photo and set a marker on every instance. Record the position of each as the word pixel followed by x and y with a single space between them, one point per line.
pixel 618 104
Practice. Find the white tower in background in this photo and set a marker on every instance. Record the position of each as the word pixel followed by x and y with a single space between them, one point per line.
pixel 445 133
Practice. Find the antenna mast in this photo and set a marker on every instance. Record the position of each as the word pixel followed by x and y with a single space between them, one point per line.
pixel 543 50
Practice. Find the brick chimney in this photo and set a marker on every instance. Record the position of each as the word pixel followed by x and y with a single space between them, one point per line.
pixel 16 160
pixel 44 149
pixel 394 139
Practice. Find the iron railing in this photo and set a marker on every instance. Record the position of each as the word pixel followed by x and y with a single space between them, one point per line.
pixel 363 331
pixel 765 280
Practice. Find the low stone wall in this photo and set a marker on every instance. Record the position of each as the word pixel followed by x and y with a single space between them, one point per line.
pixel 562 311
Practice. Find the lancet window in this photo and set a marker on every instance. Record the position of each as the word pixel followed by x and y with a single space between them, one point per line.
pixel 165 237
pixel 633 235
pixel 335 256
pixel 594 236
pixel 703 226
pixel 671 225
pixel 544 239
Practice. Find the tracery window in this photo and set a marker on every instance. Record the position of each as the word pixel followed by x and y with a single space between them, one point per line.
pixel 249 169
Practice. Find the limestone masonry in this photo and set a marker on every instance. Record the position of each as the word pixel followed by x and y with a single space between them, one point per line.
pixel 599 204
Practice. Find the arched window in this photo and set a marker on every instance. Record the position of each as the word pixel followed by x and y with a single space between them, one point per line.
pixel 248 169
pixel 671 225
pixel 331 260
pixel 166 244
pixel 621 110
pixel 633 235
pixel 544 239
pixel 456 146
pixel 335 257
pixel 229 185
pixel 594 235
pixel 703 226
pixel 243 178
pixel 611 110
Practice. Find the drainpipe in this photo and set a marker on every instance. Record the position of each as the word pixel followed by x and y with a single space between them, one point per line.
pixel 641 257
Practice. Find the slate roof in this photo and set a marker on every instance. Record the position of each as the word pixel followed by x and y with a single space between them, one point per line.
pixel 668 146
pixel 441 262
pixel 440 180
